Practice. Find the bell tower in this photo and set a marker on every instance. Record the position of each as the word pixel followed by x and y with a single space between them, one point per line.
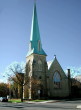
pixel 36 64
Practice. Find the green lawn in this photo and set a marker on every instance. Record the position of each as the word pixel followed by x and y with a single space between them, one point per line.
pixel 15 100
pixel 19 100
pixel 39 100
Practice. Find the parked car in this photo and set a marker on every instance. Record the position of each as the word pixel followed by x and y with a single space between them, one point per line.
pixel 3 99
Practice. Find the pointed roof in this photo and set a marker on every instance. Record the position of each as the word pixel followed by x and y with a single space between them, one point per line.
pixel 35 35
pixel 35 41
pixel 54 61
pixel 54 66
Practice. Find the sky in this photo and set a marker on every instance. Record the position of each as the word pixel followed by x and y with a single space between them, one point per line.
pixel 60 30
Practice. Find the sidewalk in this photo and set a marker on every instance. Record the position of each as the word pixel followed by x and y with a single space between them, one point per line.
pixel 78 106
pixel 49 101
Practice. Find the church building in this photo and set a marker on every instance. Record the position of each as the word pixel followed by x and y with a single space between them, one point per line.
pixel 47 79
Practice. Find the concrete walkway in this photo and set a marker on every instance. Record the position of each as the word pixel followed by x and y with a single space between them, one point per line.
pixel 78 106
pixel 49 101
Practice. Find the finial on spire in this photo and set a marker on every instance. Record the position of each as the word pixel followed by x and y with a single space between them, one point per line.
pixel 55 56
pixel 34 4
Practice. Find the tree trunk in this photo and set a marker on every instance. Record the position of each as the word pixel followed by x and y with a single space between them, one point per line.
pixel 22 93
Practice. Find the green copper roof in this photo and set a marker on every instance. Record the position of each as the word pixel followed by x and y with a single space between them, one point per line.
pixel 35 41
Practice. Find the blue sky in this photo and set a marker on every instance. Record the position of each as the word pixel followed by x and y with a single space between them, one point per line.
pixel 60 30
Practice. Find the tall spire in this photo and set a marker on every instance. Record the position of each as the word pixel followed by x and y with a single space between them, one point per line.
pixel 35 35
pixel 35 41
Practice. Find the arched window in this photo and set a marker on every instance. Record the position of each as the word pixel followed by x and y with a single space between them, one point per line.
pixel 56 80
pixel 39 65
pixel 39 46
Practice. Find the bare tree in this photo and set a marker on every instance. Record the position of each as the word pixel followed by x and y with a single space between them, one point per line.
pixel 15 72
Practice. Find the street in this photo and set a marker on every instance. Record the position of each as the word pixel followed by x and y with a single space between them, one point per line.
pixel 63 105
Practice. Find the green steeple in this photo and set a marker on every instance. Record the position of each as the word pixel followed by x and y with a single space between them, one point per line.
pixel 35 45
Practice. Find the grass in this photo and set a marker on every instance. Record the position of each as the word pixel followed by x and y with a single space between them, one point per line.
pixel 19 100
pixel 15 100
pixel 39 100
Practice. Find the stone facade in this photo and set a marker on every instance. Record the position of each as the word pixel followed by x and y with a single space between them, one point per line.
pixel 37 68
pixel 57 89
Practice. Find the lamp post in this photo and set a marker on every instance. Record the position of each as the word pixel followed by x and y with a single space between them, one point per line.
pixel 9 91
pixel 39 94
